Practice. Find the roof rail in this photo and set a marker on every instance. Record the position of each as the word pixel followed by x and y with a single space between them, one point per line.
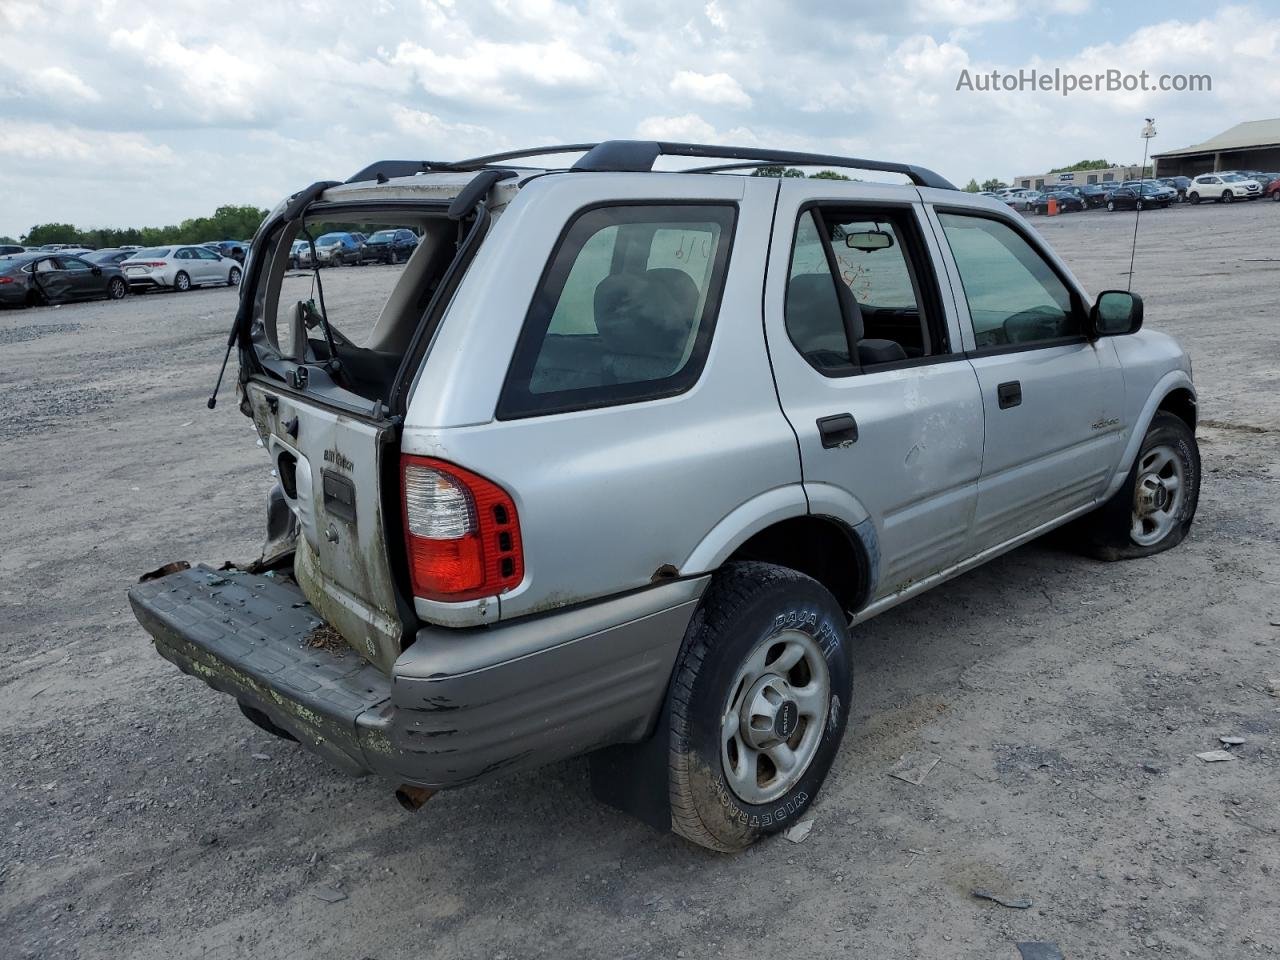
pixel 638 155
pixel 635 156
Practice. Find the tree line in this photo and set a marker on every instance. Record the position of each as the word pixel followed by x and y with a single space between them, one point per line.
pixel 228 222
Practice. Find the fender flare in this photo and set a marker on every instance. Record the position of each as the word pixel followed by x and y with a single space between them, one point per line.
pixel 1171 381
pixel 783 503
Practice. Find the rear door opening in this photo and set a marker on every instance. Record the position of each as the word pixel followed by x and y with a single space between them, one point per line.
pixel 333 352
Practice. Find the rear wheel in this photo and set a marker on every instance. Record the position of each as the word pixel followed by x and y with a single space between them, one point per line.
pixel 233 277
pixel 759 705
pixel 1154 508
pixel 117 288
pixel 1193 197
pixel 182 282
pixel 1111 206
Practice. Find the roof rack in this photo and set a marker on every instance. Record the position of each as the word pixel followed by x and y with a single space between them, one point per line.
pixel 635 156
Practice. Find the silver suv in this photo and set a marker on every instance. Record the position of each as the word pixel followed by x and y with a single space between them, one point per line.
pixel 625 454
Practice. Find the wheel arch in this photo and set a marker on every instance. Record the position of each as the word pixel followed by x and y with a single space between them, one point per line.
pixel 817 529
pixel 1173 393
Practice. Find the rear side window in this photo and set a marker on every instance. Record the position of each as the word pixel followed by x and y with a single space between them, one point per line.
pixel 1014 296
pixel 624 311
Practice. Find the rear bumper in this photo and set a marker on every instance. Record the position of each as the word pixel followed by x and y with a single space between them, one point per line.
pixel 459 705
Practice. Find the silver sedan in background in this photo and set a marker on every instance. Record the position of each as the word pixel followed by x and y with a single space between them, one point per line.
pixel 180 268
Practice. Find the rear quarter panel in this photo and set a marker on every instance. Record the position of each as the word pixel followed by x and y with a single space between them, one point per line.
pixel 606 498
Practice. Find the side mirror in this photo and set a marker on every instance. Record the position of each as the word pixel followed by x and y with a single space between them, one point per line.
pixel 1116 313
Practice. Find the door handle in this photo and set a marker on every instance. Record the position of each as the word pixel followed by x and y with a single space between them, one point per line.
pixel 839 430
pixel 1009 394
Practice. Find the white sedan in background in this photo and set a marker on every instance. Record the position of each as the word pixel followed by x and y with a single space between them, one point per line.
pixel 180 268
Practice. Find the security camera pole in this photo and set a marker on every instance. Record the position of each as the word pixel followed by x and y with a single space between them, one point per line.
pixel 1148 131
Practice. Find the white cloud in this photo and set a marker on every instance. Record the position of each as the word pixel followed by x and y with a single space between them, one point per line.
pixel 688 126
pixel 65 149
pixel 60 83
pixel 715 88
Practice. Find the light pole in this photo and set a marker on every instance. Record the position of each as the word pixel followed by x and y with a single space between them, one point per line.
pixel 1148 131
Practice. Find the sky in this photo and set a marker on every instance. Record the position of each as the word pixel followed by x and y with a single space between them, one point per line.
pixel 122 113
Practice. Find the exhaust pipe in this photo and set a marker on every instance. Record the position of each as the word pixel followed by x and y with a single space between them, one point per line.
pixel 412 798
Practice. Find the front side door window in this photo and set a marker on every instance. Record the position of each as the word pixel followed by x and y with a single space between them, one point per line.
pixel 1014 296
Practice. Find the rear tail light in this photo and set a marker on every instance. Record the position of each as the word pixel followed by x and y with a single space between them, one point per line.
pixel 4 280
pixel 461 531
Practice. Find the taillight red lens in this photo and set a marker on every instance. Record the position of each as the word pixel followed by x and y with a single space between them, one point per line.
pixel 6 280
pixel 461 532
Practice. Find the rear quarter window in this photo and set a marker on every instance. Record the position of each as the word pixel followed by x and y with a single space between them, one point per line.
pixel 624 311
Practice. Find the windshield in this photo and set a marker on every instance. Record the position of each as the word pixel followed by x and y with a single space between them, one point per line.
pixel 329 239
pixel 383 235
pixel 1232 177
pixel 151 253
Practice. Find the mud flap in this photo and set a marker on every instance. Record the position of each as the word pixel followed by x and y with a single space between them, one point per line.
pixel 632 777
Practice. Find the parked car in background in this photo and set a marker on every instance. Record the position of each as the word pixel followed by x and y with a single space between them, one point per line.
pixel 1065 201
pixel 235 249
pixel 1142 197
pixel 1177 184
pixel 35 279
pixel 1093 195
pixel 1273 189
pixel 1152 190
pixel 1223 187
pixel 108 257
pixel 8 249
pixel 297 251
pixel 180 268
pixel 392 246
pixel 335 249
pixel 1025 199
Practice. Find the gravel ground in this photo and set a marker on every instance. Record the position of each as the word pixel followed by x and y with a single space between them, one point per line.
pixel 142 817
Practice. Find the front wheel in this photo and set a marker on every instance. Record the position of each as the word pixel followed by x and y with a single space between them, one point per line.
pixel 759 705
pixel 1154 508
pixel 1111 206
pixel 1227 196
pixel 1275 195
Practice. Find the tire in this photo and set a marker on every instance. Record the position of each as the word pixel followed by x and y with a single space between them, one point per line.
pixel 1275 195
pixel 233 277
pixel 752 620
pixel 116 289
pixel 1137 205
pixel 1193 197
pixel 36 299
pixel 181 282
pixel 1227 196
pixel 1111 531
pixel 1111 206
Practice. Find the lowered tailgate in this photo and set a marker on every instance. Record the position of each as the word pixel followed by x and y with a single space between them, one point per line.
pixel 329 466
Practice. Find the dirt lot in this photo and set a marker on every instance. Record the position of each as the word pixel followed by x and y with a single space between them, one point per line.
pixel 142 817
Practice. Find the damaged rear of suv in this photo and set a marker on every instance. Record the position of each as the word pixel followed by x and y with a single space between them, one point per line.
pixel 622 453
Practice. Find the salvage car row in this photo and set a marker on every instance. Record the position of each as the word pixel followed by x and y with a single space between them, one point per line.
pixel 339 248
pixel 59 273
pixel 1223 187
pixel 32 279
